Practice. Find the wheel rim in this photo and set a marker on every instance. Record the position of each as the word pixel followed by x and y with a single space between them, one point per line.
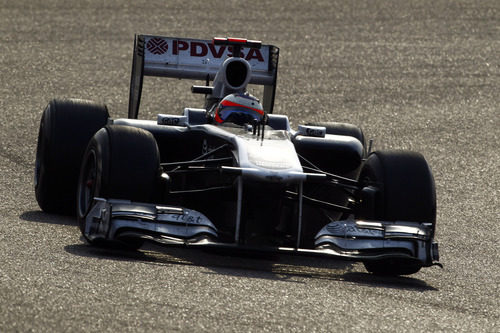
pixel 87 185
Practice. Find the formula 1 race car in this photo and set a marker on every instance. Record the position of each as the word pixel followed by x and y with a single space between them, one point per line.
pixel 232 174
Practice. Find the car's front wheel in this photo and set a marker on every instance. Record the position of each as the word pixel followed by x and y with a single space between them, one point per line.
pixel 405 191
pixel 121 162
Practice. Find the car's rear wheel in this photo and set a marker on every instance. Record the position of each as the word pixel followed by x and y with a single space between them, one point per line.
pixel 341 129
pixel 405 191
pixel 121 162
pixel 340 156
pixel 65 130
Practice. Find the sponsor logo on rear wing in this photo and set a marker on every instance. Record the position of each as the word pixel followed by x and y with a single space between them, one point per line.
pixel 196 58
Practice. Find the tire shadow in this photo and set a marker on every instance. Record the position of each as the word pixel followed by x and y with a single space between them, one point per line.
pixel 42 217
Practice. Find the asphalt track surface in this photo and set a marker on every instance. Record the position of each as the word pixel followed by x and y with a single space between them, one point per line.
pixel 423 75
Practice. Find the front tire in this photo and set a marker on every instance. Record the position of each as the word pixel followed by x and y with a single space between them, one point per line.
pixel 121 162
pixel 405 192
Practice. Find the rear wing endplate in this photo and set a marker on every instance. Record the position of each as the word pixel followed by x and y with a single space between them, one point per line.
pixel 196 59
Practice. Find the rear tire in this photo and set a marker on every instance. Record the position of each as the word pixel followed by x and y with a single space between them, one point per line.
pixel 121 162
pixel 65 130
pixel 342 160
pixel 341 129
pixel 406 192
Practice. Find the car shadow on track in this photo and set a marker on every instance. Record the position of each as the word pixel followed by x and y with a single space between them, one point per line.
pixel 287 268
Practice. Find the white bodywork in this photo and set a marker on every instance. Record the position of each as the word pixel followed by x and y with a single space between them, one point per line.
pixel 272 159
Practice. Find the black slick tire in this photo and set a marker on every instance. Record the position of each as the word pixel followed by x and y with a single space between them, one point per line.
pixel 406 192
pixel 341 129
pixel 65 130
pixel 120 162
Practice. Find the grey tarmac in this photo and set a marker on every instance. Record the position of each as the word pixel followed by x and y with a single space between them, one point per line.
pixel 420 75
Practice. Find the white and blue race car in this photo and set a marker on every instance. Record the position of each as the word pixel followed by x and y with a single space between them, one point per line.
pixel 231 174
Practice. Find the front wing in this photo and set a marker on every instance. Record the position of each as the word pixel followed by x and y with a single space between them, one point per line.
pixel 119 220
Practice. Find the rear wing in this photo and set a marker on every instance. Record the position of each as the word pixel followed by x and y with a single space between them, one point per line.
pixel 196 59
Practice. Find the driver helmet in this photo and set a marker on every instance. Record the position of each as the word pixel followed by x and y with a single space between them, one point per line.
pixel 240 109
